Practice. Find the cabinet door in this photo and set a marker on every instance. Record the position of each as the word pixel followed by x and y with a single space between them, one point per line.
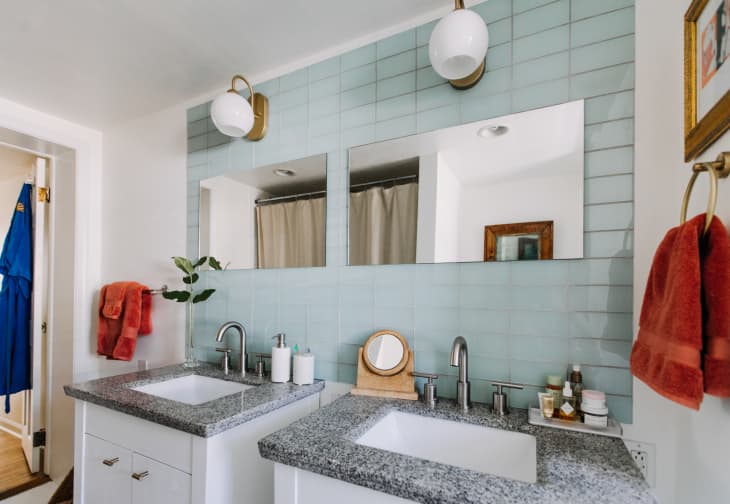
pixel 154 482
pixel 107 467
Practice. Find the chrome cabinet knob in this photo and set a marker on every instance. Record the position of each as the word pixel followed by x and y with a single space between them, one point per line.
pixel 110 461
pixel 140 475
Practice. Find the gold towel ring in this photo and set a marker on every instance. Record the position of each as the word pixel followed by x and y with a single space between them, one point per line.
pixel 720 168
pixel 711 203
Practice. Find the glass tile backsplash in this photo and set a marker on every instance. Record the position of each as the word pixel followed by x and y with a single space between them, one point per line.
pixel 522 321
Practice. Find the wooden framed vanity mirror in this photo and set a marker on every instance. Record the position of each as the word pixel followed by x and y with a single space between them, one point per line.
pixel 385 367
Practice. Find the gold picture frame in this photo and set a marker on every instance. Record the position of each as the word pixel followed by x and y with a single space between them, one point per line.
pixel 700 132
pixel 540 232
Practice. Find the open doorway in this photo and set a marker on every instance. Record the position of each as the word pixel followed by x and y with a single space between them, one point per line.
pixel 23 175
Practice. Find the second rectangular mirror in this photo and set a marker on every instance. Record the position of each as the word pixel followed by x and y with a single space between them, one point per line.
pixel 269 217
pixel 509 188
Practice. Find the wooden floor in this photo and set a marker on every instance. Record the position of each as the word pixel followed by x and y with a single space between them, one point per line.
pixel 14 474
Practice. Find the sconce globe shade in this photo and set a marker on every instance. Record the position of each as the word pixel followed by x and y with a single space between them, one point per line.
pixel 232 114
pixel 458 44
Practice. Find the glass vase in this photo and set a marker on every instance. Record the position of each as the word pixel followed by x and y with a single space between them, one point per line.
pixel 190 360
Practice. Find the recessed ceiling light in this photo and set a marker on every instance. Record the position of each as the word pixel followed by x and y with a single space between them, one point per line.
pixel 283 172
pixel 492 130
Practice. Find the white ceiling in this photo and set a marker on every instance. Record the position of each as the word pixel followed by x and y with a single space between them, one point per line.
pixel 102 62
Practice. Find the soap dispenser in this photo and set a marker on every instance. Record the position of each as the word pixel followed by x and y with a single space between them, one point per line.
pixel 280 360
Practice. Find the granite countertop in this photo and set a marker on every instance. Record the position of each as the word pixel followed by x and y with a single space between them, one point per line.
pixel 572 467
pixel 206 419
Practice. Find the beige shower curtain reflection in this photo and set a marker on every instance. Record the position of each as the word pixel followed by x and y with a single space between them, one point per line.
pixel 291 234
pixel 383 224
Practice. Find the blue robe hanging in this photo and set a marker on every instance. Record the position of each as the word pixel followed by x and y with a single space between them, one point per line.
pixel 16 267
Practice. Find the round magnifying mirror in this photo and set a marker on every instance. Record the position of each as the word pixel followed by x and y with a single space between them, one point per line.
pixel 386 353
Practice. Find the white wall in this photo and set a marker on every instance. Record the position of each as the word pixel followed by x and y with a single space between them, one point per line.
pixel 692 448
pixel 448 212
pixel 437 236
pixel 143 212
pixel 427 193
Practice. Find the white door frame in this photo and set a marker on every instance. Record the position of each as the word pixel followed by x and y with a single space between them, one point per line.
pixel 37 405
pixel 44 387
pixel 71 356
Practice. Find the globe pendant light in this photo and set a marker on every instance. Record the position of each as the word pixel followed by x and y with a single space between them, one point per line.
pixel 458 46
pixel 235 116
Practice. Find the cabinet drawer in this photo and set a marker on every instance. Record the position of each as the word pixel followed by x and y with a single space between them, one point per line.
pixel 107 468
pixel 157 483
pixel 161 443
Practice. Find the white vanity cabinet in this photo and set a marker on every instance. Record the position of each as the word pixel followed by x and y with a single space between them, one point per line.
pixel 108 468
pixel 122 459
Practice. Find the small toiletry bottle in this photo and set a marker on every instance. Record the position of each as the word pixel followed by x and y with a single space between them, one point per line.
pixel 576 383
pixel 547 406
pixel 303 368
pixel 280 360
pixel 567 404
pixel 554 384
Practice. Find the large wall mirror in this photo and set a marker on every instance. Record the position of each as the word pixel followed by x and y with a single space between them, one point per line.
pixel 269 217
pixel 509 188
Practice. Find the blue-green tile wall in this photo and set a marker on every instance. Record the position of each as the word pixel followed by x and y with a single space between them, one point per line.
pixel 521 320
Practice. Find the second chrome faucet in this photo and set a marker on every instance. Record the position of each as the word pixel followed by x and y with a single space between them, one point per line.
pixel 243 358
pixel 460 359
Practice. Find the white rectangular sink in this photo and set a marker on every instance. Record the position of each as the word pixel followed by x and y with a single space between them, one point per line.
pixel 493 451
pixel 193 389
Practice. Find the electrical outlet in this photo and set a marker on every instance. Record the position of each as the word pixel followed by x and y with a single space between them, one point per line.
pixel 644 458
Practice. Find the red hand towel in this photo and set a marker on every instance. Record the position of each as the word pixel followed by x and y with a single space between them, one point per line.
pixel 113 299
pixel 117 337
pixel 689 276
pixel 715 263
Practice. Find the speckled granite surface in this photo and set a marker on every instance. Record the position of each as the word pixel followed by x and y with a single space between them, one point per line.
pixel 205 420
pixel 572 467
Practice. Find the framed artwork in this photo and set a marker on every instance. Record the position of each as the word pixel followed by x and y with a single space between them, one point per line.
pixel 706 74
pixel 521 241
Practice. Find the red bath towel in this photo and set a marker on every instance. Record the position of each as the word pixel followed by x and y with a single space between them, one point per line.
pixel 117 335
pixel 683 346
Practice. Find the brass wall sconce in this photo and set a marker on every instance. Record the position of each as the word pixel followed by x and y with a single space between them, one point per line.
pixel 235 116
pixel 458 46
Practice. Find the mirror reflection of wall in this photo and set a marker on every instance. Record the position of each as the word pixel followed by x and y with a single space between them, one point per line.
pixel 269 217
pixel 428 198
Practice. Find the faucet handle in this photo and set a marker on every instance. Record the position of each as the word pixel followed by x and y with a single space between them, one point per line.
pixel 260 365
pixel 500 384
pixel 429 389
pixel 499 399
pixel 430 376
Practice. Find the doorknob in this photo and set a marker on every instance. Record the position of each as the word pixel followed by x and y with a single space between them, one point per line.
pixel 110 462
pixel 140 475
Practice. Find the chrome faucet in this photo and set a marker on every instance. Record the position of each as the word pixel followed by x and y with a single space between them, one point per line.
pixel 460 358
pixel 243 357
